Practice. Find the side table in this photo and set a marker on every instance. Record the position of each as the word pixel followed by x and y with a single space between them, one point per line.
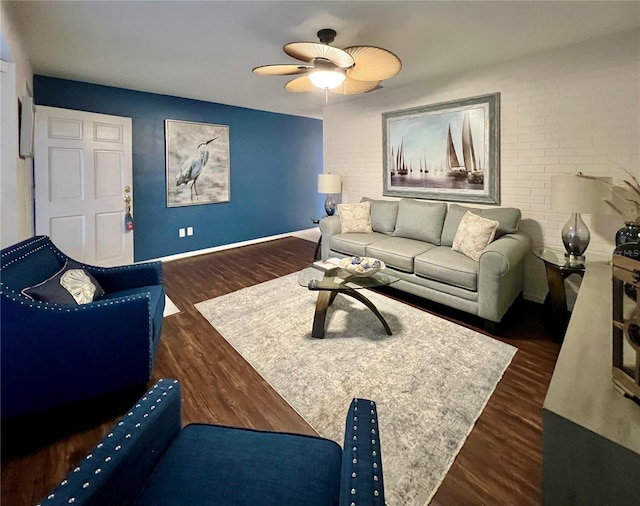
pixel 316 255
pixel 558 267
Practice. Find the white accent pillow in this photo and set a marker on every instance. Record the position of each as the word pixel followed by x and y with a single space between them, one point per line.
pixel 474 234
pixel 355 218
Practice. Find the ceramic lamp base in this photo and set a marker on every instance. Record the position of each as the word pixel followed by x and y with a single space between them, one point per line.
pixel 575 237
pixel 330 205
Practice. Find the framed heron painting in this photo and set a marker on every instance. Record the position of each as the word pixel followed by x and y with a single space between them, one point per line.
pixel 448 151
pixel 197 163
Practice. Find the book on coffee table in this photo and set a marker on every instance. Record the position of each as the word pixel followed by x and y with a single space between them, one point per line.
pixel 328 264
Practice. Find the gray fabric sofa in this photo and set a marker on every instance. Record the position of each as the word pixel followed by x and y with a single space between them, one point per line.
pixel 414 239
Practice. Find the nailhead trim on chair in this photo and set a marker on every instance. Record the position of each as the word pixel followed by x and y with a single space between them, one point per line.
pixel 25 245
pixel 22 257
pixel 51 306
pixel 375 452
pixel 116 448
pixel 59 254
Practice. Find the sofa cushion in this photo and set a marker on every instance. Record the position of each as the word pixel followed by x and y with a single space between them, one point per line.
pixel 71 285
pixel 447 266
pixel 398 252
pixel 208 464
pixel 384 214
pixel 421 221
pixel 354 244
pixel 355 218
pixel 474 235
pixel 508 219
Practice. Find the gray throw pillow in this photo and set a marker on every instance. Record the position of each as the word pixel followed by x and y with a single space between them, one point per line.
pixel 384 214
pixel 420 220
pixel 71 285
pixel 508 219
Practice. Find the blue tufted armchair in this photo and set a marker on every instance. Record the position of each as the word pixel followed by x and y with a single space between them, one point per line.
pixel 57 353
pixel 148 459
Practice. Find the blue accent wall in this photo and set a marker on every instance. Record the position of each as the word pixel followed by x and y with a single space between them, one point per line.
pixel 274 159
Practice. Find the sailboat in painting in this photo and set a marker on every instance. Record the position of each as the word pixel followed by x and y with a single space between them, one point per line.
pixel 474 174
pixel 393 163
pixel 470 169
pixel 401 167
pixel 454 169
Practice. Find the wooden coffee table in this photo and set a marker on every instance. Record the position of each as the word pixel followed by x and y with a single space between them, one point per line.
pixel 332 282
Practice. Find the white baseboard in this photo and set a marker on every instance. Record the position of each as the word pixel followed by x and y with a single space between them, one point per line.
pixel 310 234
pixel 302 234
pixel 533 296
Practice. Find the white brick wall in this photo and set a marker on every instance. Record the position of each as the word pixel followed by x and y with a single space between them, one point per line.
pixel 574 108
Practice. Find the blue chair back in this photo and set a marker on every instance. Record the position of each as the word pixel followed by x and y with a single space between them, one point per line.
pixel 29 262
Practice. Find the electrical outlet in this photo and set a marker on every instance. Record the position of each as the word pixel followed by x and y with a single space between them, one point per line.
pixel 181 232
pixel 189 230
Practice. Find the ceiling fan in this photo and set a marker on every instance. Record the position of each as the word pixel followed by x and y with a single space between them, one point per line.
pixel 348 71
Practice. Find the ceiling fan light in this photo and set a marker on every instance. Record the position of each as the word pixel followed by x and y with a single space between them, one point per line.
pixel 327 79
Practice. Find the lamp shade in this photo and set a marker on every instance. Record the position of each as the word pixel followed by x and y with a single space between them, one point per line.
pixel 573 193
pixel 329 183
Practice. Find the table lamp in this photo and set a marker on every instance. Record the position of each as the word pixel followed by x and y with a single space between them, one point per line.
pixel 329 184
pixel 576 194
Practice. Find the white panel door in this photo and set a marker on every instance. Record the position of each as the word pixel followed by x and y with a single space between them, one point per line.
pixel 83 164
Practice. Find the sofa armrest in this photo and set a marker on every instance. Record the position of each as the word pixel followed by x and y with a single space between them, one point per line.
pixel 125 277
pixel 116 469
pixel 504 253
pixel 329 226
pixel 54 354
pixel 361 481
pixel 501 274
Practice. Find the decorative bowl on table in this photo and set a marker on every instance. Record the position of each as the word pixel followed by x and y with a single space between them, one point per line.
pixel 361 266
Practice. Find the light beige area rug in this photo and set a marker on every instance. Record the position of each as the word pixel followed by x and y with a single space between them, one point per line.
pixel 431 379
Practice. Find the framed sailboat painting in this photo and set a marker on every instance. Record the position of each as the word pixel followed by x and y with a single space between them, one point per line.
pixel 448 151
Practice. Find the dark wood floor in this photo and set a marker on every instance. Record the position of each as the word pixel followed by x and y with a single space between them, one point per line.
pixel 500 463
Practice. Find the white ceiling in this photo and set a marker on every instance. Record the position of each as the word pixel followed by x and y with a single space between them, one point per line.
pixel 206 50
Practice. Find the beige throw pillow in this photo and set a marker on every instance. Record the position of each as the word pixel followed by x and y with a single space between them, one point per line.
pixel 474 235
pixel 355 218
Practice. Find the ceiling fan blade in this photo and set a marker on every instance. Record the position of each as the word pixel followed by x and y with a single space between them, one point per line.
pixel 309 51
pixel 282 70
pixel 373 63
pixel 300 84
pixel 353 87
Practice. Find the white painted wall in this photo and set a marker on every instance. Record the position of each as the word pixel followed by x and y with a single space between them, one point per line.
pixel 16 174
pixel 574 108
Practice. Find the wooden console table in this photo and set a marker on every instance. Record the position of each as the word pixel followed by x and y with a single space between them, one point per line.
pixel 591 433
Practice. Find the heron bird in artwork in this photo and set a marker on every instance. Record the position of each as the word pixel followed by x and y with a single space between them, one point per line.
pixel 193 167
